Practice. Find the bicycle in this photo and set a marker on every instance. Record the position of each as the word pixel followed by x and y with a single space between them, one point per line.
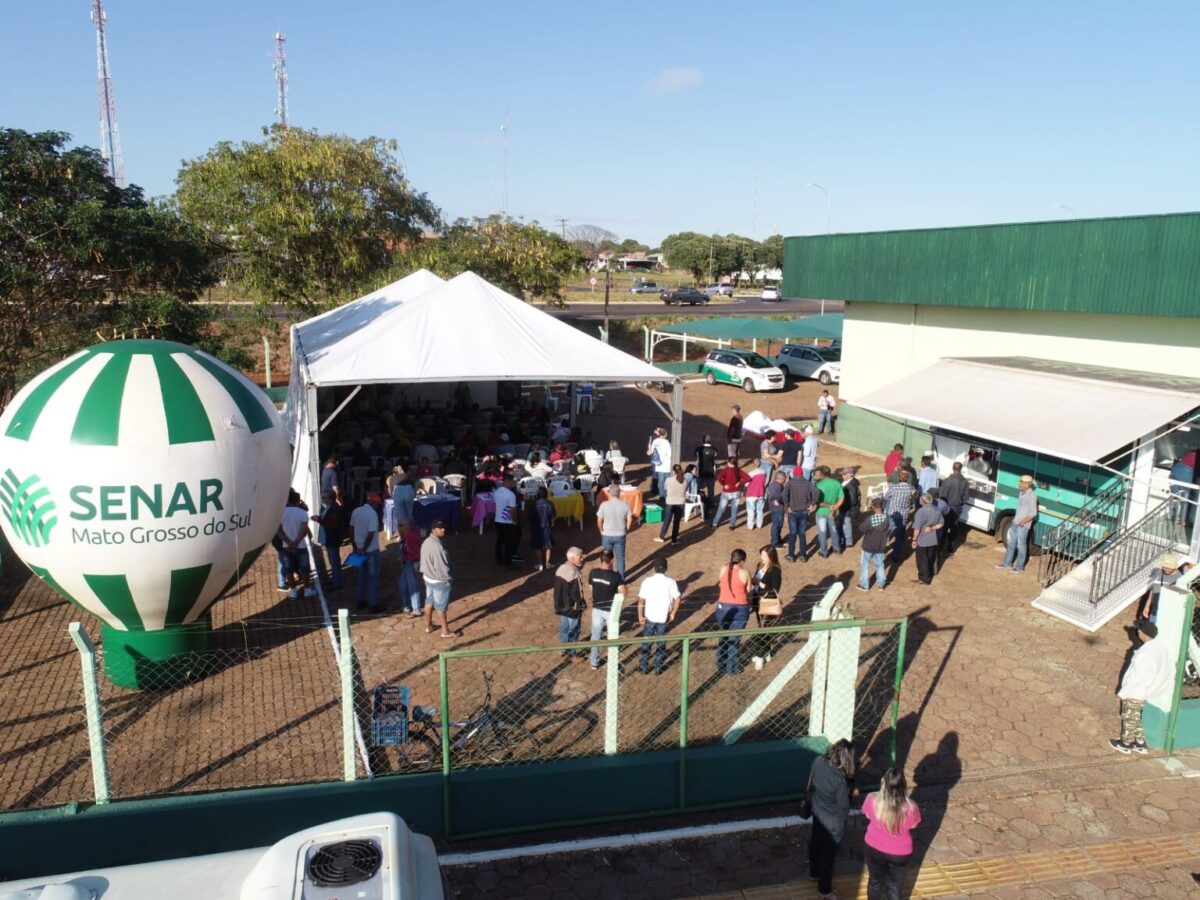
pixel 482 737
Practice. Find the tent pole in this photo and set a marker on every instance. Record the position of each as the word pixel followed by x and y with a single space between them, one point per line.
pixel 314 452
pixel 571 401
pixel 677 419
pixel 341 406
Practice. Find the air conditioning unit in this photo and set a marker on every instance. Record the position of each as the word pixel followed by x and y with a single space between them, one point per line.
pixel 368 857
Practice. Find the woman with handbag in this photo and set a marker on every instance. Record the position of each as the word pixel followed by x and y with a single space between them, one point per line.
pixel 733 611
pixel 831 785
pixel 888 846
pixel 766 584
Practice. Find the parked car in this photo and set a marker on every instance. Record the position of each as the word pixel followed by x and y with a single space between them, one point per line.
pixel 771 292
pixel 645 287
pixel 689 295
pixel 807 361
pixel 719 290
pixel 743 367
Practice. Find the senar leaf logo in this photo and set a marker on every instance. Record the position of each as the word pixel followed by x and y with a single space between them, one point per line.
pixel 28 508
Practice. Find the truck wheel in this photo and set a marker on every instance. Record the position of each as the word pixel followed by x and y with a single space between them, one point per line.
pixel 1002 529
pixel 748 386
pixel 710 377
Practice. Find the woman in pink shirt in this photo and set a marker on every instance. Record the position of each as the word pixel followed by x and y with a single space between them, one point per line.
pixel 889 846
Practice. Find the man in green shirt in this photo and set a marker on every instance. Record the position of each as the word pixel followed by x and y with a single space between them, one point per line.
pixel 832 496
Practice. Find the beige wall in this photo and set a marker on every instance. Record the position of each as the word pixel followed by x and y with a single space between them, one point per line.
pixel 886 341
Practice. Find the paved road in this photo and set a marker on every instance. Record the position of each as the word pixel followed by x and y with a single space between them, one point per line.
pixel 749 306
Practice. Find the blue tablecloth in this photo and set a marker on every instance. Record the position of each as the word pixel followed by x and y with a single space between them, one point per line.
pixel 437 506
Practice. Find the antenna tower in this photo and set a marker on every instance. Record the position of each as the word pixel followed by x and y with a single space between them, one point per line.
pixel 281 79
pixel 504 141
pixel 110 137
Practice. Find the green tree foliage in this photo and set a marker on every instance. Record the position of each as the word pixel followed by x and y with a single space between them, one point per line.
pixel 770 252
pixel 704 255
pixel 521 257
pixel 688 250
pixel 629 245
pixel 78 253
pixel 304 219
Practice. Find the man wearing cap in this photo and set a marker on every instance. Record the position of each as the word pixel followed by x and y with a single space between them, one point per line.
pixel 1017 543
pixel 435 570
pixel 569 604
pixel 1151 673
pixel 808 453
pixel 364 539
pixel 733 434
pixel 508 527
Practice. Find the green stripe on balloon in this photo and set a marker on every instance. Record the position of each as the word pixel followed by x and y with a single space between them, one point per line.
pixel 187 421
pixel 21 426
pixel 186 585
pixel 256 417
pixel 98 422
pixel 113 592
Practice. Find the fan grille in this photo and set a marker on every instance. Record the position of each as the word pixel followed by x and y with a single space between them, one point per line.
pixel 343 863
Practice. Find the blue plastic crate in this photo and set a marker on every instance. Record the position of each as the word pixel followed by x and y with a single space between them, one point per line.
pixel 389 716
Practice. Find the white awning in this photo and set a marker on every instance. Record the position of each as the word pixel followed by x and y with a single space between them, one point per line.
pixel 1081 413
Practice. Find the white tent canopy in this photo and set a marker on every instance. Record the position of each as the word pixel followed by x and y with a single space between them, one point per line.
pixel 423 329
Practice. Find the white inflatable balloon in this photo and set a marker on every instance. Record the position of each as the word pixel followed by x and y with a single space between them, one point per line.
pixel 140 479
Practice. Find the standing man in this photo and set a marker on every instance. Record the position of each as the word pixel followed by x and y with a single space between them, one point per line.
pixel 364 539
pixel 331 531
pixel 808 455
pixel 777 507
pixel 410 559
pixel 435 569
pixel 614 518
pixel 874 544
pixel 569 603
pixel 927 478
pixel 926 525
pixel 732 480
pixel 789 454
pixel 826 410
pixel 769 455
pixel 954 491
pixel 848 514
pixel 899 502
pixel 733 434
pixel 659 452
pixel 1017 543
pixel 329 478
pixel 293 535
pixel 606 584
pixel 1151 673
pixel 706 471
pixel 801 499
pixel 508 522
pixel 658 601
pixel 893 460
pixel 830 498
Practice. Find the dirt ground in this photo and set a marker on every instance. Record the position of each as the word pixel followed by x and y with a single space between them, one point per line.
pixel 992 687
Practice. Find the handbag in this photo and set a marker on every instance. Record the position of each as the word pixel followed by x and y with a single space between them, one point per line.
pixel 806 809
pixel 769 604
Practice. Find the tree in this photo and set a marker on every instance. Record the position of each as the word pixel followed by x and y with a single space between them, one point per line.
pixel 304 219
pixel 770 252
pixel 78 253
pixel 590 240
pixel 688 250
pixel 521 257
pixel 629 245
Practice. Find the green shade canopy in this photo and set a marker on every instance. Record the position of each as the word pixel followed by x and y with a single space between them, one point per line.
pixel 734 328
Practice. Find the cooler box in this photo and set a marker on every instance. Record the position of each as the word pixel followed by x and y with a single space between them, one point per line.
pixel 652 513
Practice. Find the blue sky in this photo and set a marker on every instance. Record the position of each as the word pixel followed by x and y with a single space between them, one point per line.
pixel 648 118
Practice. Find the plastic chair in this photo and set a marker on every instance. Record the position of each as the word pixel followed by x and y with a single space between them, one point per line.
pixel 456 482
pixel 560 486
pixel 530 485
pixel 618 465
pixel 522 451
pixel 692 503
pixel 587 487
pixel 427 486
pixel 551 401
pixel 593 460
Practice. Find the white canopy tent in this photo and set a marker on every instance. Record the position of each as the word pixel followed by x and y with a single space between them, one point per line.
pixel 425 330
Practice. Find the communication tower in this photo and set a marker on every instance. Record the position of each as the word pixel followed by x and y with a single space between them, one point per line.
pixel 110 137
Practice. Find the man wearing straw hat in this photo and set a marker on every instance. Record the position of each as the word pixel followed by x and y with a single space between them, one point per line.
pixel 1017 545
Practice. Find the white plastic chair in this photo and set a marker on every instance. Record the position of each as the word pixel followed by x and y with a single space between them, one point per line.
pixel 529 486
pixel 692 503
pixel 618 465
pixel 559 486
pixel 427 486
pixel 457 482
pixel 551 401
pixel 587 487
pixel 522 451
pixel 593 461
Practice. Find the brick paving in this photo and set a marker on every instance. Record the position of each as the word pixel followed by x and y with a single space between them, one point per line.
pixel 1004 711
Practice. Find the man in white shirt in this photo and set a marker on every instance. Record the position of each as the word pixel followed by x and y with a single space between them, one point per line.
pixel 658 602
pixel 364 539
pixel 508 522
pixel 1151 673
pixel 293 537
pixel 808 453
pixel 826 409
pixel 659 452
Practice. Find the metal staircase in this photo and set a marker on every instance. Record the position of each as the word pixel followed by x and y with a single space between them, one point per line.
pixel 1113 569
pixel 1076 538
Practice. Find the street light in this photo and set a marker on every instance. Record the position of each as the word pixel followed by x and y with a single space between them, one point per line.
pixel 1064 207
pixel 828 218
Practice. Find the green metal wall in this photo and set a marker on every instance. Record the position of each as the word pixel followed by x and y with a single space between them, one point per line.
pixel 1142 265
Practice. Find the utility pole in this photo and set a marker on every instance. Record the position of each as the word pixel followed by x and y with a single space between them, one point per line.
pixel 607 288
pixel 562 223
pixel 110 137
pixel 504 141
pixel 281 80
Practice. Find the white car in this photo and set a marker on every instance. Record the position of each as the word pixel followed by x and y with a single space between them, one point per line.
pixel 806 361
pixel 742 367
pixel 772 292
